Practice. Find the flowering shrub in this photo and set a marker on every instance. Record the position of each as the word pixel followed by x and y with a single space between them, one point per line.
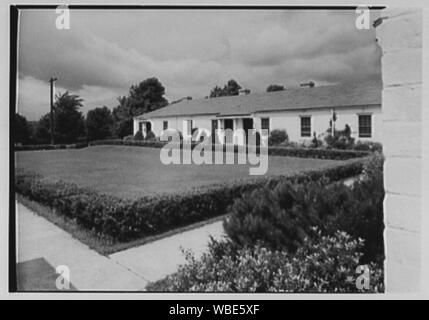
pixel 341 139
pixel 325 265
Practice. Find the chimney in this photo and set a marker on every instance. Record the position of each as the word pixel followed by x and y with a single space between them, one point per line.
pixel 243 92
pixel 310 84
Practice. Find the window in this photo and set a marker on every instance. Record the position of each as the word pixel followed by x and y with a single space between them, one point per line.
pixel 165 125
pixel 365 126
pixel 265 124
pixel 306 126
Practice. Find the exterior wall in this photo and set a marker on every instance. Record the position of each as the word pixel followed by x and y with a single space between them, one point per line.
pixel 400 37
pixel 177 123
pixel 286 120
pixel 291 122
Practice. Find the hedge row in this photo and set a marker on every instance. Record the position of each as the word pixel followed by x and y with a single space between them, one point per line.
pixel 34 147
pixel 136 143
pixel 332 154
pixel 125 220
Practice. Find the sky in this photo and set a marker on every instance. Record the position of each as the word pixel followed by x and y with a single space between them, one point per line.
pixel 190 51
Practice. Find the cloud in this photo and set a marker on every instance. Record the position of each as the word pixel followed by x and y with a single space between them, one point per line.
pixel 105 52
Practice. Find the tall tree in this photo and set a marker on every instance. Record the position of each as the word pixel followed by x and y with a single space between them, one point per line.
pixel 21 129
pixel 68 120
pixel 275 87
pixel 144 97
pixel 99 123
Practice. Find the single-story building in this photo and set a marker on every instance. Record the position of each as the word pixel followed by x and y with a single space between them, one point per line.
pixel 301 112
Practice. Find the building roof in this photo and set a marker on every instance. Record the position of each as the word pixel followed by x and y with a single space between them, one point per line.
pixel 345 95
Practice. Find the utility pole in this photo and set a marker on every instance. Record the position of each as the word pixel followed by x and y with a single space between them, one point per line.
pixel 51 81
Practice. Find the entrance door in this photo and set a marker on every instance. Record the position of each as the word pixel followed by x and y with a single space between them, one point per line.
pixel 214 128
pixel 247 126
pixel 148 127
pixel 229 124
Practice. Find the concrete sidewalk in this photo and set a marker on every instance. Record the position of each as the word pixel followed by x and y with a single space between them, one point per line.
pixel 155 260
pixel 42 246
pixel 38 238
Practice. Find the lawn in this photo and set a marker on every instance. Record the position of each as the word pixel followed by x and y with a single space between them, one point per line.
pixel 132 172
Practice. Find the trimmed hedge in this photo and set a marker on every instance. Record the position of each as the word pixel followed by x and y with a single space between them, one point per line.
pixel 331 154
pixel 136 143
pixel 34 147
pixel 125 220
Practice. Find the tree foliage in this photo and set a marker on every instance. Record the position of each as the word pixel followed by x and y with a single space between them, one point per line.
pixel 231 88
pixel 144 97
pixel 21 129
pixel 69 122
pixel 98 123
pixel 275 87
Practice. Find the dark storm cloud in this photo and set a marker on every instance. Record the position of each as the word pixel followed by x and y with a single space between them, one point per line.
pixel 105 52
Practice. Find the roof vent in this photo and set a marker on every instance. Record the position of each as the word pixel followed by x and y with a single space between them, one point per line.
pixel 181 99
pixel 310 84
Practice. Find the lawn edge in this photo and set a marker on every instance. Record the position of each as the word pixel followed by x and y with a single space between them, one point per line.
pixel 101 245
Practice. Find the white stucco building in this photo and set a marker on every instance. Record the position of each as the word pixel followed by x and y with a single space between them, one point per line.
pixel 301 112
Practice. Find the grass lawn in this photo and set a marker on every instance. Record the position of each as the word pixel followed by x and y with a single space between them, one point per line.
pixel 132 172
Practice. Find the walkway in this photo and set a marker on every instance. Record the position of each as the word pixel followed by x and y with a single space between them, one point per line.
pixel 42 247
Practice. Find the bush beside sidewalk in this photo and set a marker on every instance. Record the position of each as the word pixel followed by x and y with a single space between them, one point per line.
pixel 300 238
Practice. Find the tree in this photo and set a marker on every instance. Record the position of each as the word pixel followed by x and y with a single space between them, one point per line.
pixel 144 97
pixel 232 88
pixel 69 122
pixel 21 129
pixel 43 131
pixel 98 123
pixel 275 87
pixel 216 92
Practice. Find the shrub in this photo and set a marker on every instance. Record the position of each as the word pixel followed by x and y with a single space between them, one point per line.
pixel 323 266
pixel 277 137
pixel 150 136
pixel 316 153
pixel 125 220
pixel 280 217
pixel 315 142
pixel 361 214
pixel 280 150
pixel 128 138
pixel 138 136
pixel 368 146
pixel 34 147
pixel 341 139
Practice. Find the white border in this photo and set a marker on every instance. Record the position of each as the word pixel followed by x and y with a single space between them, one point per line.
pixel 4 166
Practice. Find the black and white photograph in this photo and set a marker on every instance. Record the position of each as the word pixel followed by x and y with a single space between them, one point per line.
pixel 216 149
